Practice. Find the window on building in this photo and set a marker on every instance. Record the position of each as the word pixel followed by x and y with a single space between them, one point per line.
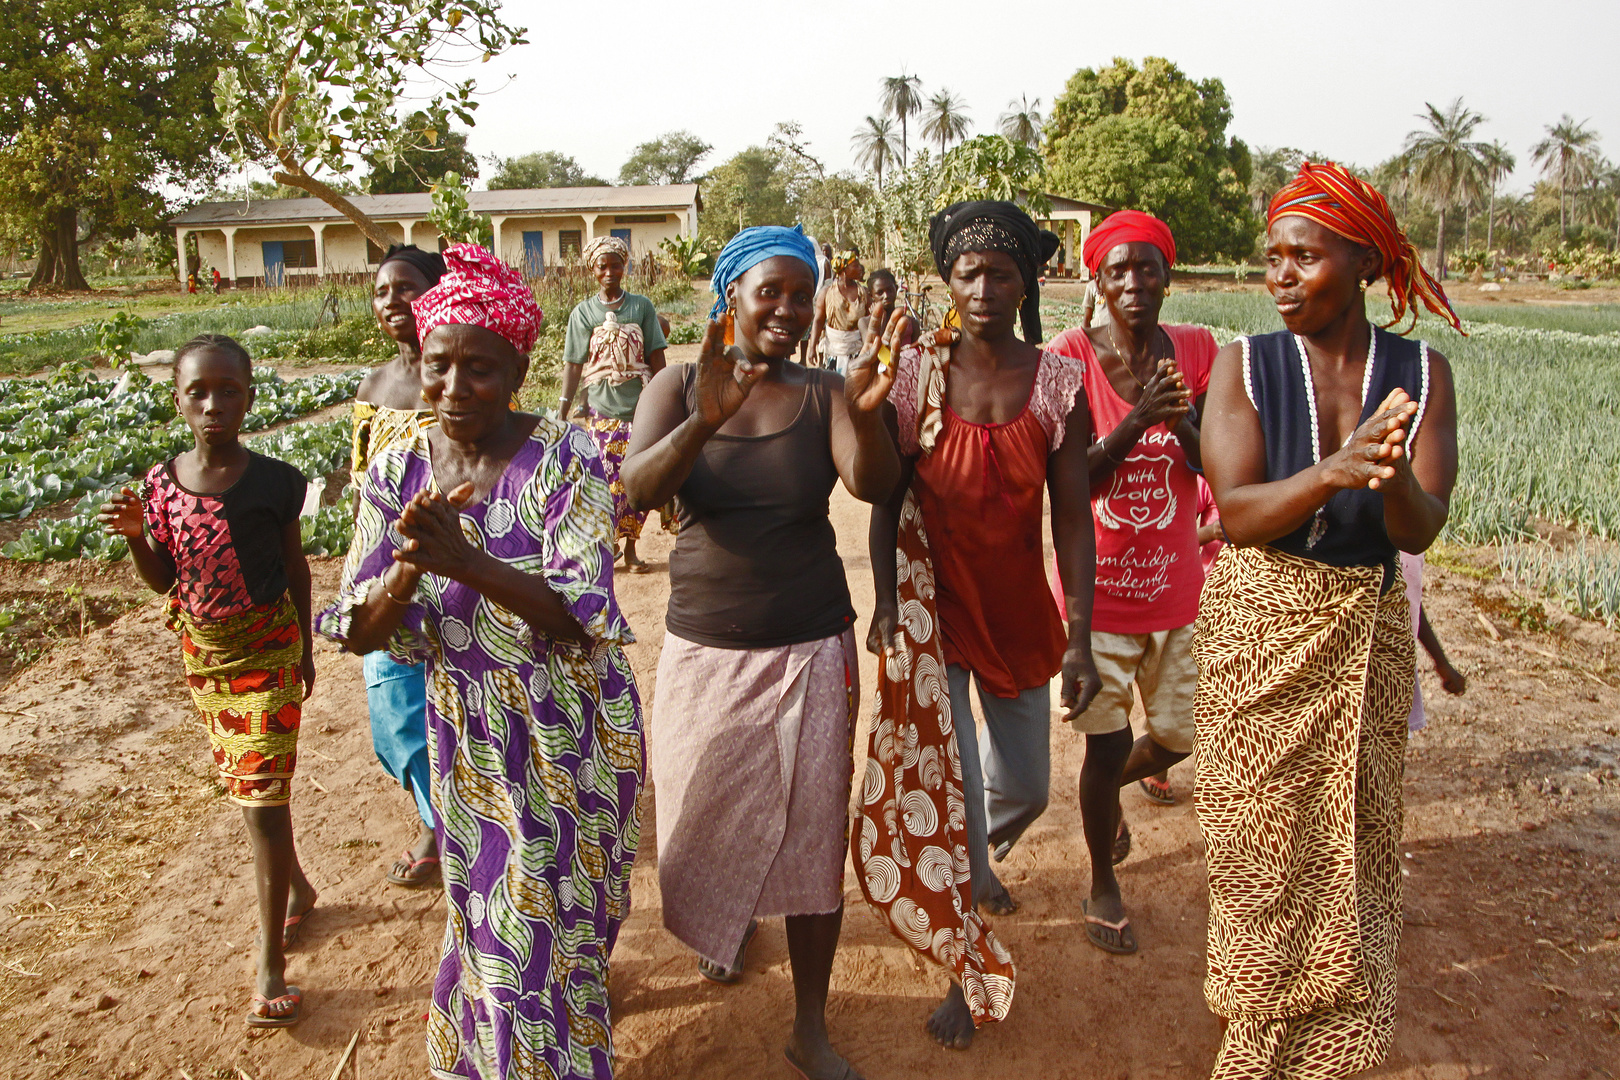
pixel 298 254
pixel 374 254
pixel 569 245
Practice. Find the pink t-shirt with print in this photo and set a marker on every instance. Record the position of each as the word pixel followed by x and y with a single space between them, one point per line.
pixel 1149 574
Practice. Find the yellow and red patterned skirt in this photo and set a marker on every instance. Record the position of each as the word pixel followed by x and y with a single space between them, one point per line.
pixel 246 679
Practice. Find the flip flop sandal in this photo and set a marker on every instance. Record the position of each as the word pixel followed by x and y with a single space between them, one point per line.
pixel 639 567
pixel 1162 794
pixel 1122 843
pixel 294 926
pixel 1123 943
pixel 726 976
pixel 846 1073
pixel 410 879
pixel 279 1012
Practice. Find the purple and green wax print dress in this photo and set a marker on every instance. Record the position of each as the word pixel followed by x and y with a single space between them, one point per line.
pixel 537 760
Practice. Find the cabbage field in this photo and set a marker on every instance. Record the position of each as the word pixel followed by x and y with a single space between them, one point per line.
pixel 76 436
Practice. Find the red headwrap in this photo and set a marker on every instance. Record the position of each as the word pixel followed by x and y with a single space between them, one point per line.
pixel 1122 227
pixel 479 290
pixel 1332 197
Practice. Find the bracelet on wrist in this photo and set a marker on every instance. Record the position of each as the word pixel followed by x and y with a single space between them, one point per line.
pixel 390 594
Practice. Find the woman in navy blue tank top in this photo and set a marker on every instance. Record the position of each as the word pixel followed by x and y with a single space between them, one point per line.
pixel 1329 446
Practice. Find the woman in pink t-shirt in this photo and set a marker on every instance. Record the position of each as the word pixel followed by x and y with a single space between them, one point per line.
pixel 1144 383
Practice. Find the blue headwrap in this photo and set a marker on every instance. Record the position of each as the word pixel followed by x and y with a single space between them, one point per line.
pixel 753 246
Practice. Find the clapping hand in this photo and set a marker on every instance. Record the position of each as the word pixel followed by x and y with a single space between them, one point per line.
pixel 724 378
pixel 121 515
pixel 1375 452
pixel 1165 399
pixel 871 373
pixel 434 542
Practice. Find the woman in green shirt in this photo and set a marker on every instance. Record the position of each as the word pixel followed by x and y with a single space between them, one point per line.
pixel 614 346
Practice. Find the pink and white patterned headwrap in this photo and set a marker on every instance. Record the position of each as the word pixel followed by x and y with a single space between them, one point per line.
pixel 478 289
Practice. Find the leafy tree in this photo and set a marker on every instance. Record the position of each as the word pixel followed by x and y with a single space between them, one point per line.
pixel 750 188
pixel 419 168
pixel 945 119
pixel 874 145
pixel 1567 154
pixel 1151 138
pixel 103 105
pixel 902 99
pixel 541 169
pixel 668 159
pixel 993 167
pixel 317 84
pixel 1447 163
pixel 1021 123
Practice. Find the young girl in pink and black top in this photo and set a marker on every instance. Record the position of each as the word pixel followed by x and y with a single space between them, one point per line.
pixel 216 530
pixel 1143 383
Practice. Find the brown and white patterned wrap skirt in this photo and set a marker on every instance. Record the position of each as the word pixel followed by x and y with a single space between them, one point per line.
pixel 1305 683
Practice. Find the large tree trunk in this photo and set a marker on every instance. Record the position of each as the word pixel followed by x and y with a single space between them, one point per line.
pixel 1440 250
pixel 59 254
pixel 1490 221
pixel 369 228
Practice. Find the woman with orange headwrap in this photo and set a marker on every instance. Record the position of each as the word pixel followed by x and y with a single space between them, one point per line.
pixel 1330 446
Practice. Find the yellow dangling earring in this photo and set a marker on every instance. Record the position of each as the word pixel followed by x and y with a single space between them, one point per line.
pixel 1364 285
pixel 729 322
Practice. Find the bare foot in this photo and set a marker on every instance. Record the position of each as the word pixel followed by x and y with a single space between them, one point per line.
pixel 952 1023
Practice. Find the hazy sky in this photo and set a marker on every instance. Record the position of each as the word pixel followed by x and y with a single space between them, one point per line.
pixel 1344 79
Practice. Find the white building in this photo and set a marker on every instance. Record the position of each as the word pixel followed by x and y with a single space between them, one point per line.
pixel 277 241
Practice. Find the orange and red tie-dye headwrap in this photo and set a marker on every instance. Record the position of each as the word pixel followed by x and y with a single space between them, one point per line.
pixel 477 289
pixel 1332 197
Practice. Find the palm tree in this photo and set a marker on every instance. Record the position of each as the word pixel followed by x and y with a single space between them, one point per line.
pixel 1513 213
pixel 1498 161
pixel 945 119
pixel 1447 163
pixel 1569 152
pixel 1274 166
pixel 902 98
pixel 1021 123
pixel 874 145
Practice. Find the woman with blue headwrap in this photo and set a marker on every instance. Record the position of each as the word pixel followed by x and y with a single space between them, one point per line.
pixel 750 733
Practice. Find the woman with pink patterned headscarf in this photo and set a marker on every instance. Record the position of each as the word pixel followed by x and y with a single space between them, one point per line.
pixel 483 548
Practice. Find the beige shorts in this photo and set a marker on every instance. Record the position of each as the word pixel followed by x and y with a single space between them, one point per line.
pixel 1161 667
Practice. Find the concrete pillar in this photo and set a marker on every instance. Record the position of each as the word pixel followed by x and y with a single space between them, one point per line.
pixel 319 229
pixel 230 252
pixel 496 221
pixel 405 230
pixel 1070 252
pixel 590 226
pixel 1085 231
pixel 180 253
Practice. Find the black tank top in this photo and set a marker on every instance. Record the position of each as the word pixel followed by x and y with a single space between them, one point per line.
pixel 1349 529
pixel 756 560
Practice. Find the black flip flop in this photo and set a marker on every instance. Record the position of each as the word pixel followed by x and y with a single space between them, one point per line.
pixel 1122 842
pixel 846 1073
pixel 1124 943
pixel 726 976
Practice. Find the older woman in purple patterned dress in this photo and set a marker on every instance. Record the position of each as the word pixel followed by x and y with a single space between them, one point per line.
pixel 504 587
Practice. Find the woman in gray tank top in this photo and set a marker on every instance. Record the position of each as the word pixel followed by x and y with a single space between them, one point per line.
pixel 749 739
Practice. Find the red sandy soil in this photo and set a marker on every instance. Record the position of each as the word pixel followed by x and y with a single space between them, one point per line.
pixel 128 921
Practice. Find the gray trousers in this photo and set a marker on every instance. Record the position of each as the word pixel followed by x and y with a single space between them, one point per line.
pixel 1007 778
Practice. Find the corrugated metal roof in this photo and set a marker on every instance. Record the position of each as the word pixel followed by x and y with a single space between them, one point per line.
pixel 668 198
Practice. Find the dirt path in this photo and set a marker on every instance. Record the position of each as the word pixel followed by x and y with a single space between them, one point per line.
pixel 124 947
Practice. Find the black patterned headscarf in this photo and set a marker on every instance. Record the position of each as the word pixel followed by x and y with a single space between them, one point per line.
pixel 996 226
pixel 430 263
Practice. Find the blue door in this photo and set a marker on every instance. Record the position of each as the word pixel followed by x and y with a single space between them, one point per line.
pixel 275 263
pixel 624 234
pixel 534 253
